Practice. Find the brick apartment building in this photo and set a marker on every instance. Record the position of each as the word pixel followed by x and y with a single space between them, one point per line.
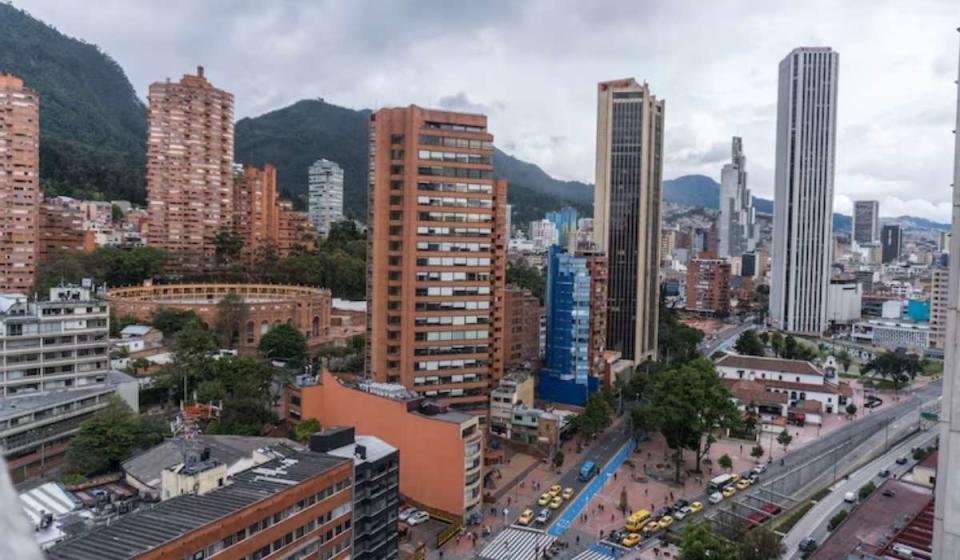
pixel 708 286
pixel 189 166
pixel 597 268
pixel 437 256
pixel 521 332
pixel 19 184
pixel 62 228
pixel 297 505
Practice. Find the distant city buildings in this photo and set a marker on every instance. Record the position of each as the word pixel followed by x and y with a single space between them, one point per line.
pixel 627 197
pixel 566 221
pixel 543 234
pixel 436 268
pixel 737 231
pixel 891 243
pixel 803 200
pixel 939 297
pixel 708 286
pixel 325 192
pixel 19 185
pixel 866 222
pixel 189 167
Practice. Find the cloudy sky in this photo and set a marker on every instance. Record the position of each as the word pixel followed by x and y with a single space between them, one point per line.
pixel 532 66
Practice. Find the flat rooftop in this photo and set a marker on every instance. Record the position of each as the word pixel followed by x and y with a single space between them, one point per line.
pixel 376 449
pixel 136 533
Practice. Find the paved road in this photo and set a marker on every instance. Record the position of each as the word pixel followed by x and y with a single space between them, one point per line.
pixel 814 523
pixel 727 337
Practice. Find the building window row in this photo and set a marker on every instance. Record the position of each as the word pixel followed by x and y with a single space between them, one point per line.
pixel 456 157
pixel 454 202
pixel 455 217
pixel 439 365
pixel 448 320
pixel 423 276
pixel 453 261
pixel 435 291
pixel 432 336
pixel 458 172
pixel 452 142
pixel 453 247
pixel 454 187
pixel 456 127
pixel 454 232
pixel 444 350
pixel 448 379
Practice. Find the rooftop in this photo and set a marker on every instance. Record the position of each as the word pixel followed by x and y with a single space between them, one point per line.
pixel 136 533
pixel 136 330
pixel 15 406
pixel 769 364
pixel 376 449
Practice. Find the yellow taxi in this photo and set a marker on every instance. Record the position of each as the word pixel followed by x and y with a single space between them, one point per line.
pixel 567 493
pixel 556 502
pixel 696 507
pixel 636 521
pixel 544 499
pixel 743 484
pixel 632 539
pixel 729 491
pixel 555 490
pixel 651 527
pixel 734 477
pixel 666 521
pixel 526 517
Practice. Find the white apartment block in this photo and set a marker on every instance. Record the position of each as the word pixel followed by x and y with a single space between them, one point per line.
pixel 325 195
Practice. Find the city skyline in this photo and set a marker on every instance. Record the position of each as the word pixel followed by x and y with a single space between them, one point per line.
pixel 734 95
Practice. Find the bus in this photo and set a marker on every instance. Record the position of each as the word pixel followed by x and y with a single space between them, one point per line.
pixel 719 483
pixel 587 471
pixel 637 520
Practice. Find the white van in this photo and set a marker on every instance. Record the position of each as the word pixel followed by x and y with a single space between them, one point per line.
pixel 850 497
pixel 715 498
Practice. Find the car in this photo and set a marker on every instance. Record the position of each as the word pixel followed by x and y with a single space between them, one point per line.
pixel 884 473
pixel 556 502
pixel 753 478
pixel 807 545
pixel 544 499
pixel 734 477
pixel 567 493
pixel 555 490
pixel 406 512
pixel 743 484
pixel 681 513
pixel 526 517
pixel 755 519
pixel 902 461
pixel 665 510
pixel 715 498
pixel 632 539
pixel 850 497
pixel 418 517
pixel 651 527
pixel 771 508
pixel 679 505
pixel 889 493
pixel 729 491
pixel 760 469
pixel 543 516
pixel 696 507
pixel 617 535
pixel 666 521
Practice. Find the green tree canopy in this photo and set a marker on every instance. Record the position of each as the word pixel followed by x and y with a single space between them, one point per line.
pixel 777 344
pixel 305 428
pixel 109 437
pixel 749 344
pixel 898 365
pixel 522 275
pixel 677 343
pixel 698 543
pixel 760 544
pixel 171 321
pixel 284 342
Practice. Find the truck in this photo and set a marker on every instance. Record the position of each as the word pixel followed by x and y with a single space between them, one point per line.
pixel 587 471
pixel 717 484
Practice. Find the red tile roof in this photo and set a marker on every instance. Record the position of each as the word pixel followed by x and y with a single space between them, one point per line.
pixel 769 364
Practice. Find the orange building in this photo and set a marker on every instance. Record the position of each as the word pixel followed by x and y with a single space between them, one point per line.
pixel 61 227
pixel 19 184
pixel 441 453
pixel 597 267
pixel 294 230
pixel 521 332
pixel 256 214
pixel 708 285
pixel 189 166
pixel 437 258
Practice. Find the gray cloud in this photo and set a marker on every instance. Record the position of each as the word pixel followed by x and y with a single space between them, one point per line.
pixel 533 66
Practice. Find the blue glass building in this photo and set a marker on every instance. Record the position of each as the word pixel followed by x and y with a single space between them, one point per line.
pixel 566 222
pixel 565 377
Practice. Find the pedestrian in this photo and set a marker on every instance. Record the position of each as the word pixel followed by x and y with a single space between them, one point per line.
pixel 578 540
pixel 611 518
pixel 646 491
pixel 614 475
pixel 441 553
pixel 741 449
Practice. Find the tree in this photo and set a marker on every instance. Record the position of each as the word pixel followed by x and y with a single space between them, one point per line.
pixel 344 231
pixel 725 462
pixel 845 360
pixel 784 439
pixel 764 337
pixel 228 246
pixel 677 343
pixel 851 409
pixel 116 214
pixel 595 416
pixel 108 438
pixel 761 544
pixel 284 342
pixel 232 313
pixel 171 321
pixel 624 501
pixel 698 543
pixel 793 350
pixel 138 365
pixel 641 422
pixel 305 428
pixel 522 275
pixel 757 452
pixel 777 344
pixel 558 459
pixel 191 362
pixel 749 344
pixel 635 388
pixel 898 365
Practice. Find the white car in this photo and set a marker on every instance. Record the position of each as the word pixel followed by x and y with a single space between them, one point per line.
pixel 681 513
pixel 405 513
pixel 760 469
pixel 715 498
pixel 418 517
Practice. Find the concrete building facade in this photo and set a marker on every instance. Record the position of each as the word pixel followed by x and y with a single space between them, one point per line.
pixel 866 222
pixel 803 199
pixel 939 296
pixel 521 328
pixel 737 232
pixel 891 243
pixel 626 221
pixel 437 255
pixel 19 185
pixel 189 167
pixel 325 195
pixel 708 286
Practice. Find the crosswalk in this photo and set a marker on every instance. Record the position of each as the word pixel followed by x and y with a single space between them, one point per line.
pixel 517 544
pixel 592 555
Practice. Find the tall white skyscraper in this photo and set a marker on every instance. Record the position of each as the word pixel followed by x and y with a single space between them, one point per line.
pixel 326 194
pixel 866 222
pixel 737 219
pixel 803 198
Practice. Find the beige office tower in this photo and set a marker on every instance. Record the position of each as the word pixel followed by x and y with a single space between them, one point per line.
pixel 19 185
pixel 939 296
pixel 189 167
pixel 436 257
pixel 626 212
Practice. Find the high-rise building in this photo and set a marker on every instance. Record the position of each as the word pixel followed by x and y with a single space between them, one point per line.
pixel 325 192
pixel 803 199
pixel 597 268
pixel 566 221
pixel 891 243
pixel 189 167
pixel 866 222
pixel 738 221
pixel 437 255
pixel 19 184
pixel 626 208
pixel 939 296
pixel 521 331
pixel 708 286
pixel 565 376
pixel 256 216
pixel 544 234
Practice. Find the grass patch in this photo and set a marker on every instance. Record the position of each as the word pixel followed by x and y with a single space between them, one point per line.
pixel 787 522
pixel 880 384
pixel 823 493
pixel 933 368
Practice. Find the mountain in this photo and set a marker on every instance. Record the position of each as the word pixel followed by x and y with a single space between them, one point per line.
pixel 92 125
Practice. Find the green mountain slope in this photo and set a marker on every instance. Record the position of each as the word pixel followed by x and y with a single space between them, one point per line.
pixel 92 125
